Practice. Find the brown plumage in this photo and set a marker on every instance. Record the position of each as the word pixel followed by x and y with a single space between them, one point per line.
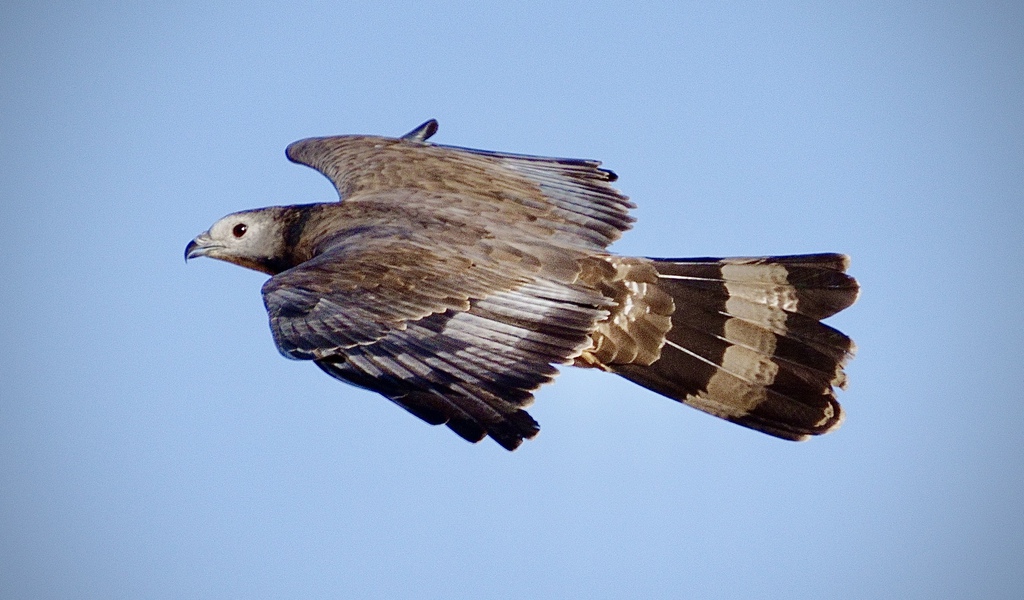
pixel 452 281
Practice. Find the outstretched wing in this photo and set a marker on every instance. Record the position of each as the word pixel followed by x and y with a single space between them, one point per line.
pixel 458 320
pixel 441 327
pixel 573 198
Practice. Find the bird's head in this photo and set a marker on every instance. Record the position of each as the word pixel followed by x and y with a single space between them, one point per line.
pixel 254 239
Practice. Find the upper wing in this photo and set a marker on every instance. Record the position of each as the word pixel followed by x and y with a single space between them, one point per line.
pixel 452 337
pixel 572 195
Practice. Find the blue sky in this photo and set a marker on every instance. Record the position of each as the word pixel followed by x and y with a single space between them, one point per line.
pixel 154 444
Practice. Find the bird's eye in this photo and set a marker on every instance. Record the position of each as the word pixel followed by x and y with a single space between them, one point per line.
pixel 239 230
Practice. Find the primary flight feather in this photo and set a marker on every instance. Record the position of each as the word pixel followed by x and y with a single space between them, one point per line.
pixel 452 281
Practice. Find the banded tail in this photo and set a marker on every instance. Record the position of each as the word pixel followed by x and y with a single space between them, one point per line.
pixel 740 339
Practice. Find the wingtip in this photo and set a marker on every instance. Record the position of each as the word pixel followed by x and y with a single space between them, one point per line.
pixel 422 133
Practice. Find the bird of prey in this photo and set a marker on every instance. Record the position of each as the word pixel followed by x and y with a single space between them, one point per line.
pixel 453 281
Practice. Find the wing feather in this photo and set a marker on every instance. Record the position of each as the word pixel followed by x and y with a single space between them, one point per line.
pixel 459 334
pixel 572 198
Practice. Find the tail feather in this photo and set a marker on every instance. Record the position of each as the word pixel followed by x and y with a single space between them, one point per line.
pixel 802 351
pixel 813 285
pixel 746 343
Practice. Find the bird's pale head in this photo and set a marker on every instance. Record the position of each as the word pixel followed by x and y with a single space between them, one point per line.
pixel 255 239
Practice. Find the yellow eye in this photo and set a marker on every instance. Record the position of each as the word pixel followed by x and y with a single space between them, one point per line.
pixel 239 230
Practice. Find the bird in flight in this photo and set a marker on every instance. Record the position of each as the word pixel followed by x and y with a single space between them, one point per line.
pixel 453 281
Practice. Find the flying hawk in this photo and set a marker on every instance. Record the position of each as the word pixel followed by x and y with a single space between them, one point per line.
pixel 452 281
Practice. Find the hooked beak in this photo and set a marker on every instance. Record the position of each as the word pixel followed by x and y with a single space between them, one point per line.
pixel 200 246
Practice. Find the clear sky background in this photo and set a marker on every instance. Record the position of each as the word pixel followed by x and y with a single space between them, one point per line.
pixel 154 444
